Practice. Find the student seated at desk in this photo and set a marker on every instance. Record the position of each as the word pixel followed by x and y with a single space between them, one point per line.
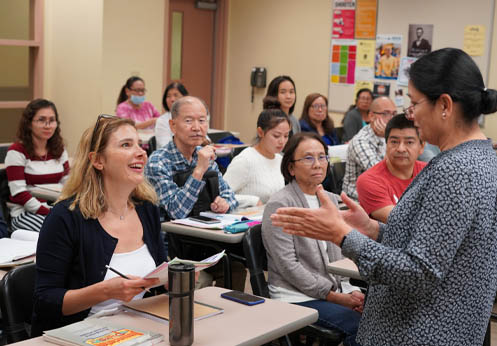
pixel 255 173
pixel 106 215
pixel 182 154
pixel 315 119
pixel 380 187
pixel 297 265
pixel 163 132
pixel 283 88
pixel 184 159
pixel 131 104
pixel 37 157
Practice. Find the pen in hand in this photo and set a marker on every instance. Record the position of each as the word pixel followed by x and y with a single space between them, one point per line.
pixel 123 276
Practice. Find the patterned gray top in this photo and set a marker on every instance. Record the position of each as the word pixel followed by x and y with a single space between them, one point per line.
pixel 433 273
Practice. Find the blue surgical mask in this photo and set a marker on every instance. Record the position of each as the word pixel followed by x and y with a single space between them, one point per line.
pixel 137 100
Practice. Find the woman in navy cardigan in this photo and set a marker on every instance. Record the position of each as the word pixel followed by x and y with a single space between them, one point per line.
pixel 106 215
pixel 315 118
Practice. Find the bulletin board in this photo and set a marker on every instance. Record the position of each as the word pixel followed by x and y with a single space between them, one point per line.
pixel 450 19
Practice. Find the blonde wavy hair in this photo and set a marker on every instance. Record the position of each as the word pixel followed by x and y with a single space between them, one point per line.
pixel 85 183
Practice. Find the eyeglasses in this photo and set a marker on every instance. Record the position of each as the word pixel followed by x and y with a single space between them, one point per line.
pixel 139 91
pixel 41 122
pixel 318 106
pixel 100 117
pixel 409 111
pixel 310 160
pixel 386 114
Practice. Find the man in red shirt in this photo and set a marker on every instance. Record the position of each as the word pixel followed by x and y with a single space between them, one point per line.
pixel 380 187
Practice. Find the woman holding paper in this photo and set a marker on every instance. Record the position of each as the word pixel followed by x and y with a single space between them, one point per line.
pixel 106 215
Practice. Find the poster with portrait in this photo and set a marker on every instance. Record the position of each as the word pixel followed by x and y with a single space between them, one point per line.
pixel 387 56
pixel 420 40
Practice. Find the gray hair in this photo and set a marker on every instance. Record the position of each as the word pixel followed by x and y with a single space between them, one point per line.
pixel 186 100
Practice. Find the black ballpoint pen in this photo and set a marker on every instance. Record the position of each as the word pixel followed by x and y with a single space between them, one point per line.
pixel 123 276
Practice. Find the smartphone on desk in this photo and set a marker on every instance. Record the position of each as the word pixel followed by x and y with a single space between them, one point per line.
pixel 204 219
pixel 243 298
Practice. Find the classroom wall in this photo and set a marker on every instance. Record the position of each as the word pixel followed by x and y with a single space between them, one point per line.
pixel 91 48
pixel 73 63
pixel 288 37
pixel 133 39
pixel 490 124
pixel 285 36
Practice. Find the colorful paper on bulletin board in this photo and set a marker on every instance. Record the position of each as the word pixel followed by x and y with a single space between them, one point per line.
pixel 365 24
pixel 343 19
pixel 361 85
pixel 365 53
pixel 474 40
pixel 387 57
pixel 343 61
pixel 405 62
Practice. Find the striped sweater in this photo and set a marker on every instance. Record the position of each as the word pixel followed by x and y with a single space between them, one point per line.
pixel 23 170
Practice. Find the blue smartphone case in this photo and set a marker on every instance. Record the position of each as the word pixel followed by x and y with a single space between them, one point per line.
pixel 239 298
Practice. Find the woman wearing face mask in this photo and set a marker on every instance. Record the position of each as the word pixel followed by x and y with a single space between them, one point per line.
pixel 315 118
pixel 283 88
pixel 131 104
pixel 254 174
pixel 163 132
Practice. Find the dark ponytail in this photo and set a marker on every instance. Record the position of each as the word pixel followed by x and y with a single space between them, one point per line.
pixel 452 71
pixel 122 95
pixel 488 101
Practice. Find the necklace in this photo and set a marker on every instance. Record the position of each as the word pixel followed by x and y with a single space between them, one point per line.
pixel 121 215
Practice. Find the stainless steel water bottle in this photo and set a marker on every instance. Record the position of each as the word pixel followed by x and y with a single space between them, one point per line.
pixel 181 287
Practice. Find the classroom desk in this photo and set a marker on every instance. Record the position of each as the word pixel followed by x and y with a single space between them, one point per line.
pixel 215 239
pixel 237 325
pixel 50 195
pixel 345 267
pixel 217 235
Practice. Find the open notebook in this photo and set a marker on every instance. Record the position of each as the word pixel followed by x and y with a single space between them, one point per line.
pixel 158 306
pixel 18 249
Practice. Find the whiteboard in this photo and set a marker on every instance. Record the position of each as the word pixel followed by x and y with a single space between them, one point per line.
pixel 449 18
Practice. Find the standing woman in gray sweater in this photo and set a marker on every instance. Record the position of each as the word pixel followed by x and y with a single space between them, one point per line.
pixel 432 269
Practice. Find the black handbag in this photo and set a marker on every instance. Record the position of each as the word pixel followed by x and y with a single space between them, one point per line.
pixel 208 193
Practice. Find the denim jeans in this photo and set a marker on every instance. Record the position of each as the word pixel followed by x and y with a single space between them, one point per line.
pixel 335 316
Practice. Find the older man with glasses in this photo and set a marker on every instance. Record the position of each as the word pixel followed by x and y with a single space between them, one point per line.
pixel 367 147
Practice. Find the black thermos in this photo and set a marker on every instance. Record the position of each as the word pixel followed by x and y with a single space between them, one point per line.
pixel 181 287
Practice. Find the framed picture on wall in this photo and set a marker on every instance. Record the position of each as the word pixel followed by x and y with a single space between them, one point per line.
pixel 420 39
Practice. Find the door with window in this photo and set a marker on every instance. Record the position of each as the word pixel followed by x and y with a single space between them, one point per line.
pixel 191 47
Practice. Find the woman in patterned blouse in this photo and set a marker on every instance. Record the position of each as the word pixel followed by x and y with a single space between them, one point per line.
pixel 432 270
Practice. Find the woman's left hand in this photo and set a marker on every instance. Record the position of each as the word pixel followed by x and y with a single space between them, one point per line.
pixel 325 223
